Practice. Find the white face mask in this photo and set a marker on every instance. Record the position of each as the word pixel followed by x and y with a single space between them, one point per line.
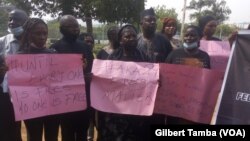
pixel 16 31
pixel 190 45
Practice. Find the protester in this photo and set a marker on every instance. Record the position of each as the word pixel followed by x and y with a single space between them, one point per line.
pixel 191 55
pixel 33 41
pixel 75 125
pixel 155 46
pixel 89 40
pixel 10 130
pixel 169 29
pixel 207 25
pixel 121 127
pixel 113 43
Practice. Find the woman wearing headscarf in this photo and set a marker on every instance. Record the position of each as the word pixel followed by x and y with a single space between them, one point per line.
pixel 207 25
pixel 169 29
pixel 121 127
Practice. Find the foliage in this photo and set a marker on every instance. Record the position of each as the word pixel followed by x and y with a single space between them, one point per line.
pixel 216 8
pixel 119 11
pixel 3 23
pixel 224 30
pixel 162 12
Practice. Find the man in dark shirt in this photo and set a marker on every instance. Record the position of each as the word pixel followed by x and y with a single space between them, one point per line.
pixel 154 45
pixel 75 124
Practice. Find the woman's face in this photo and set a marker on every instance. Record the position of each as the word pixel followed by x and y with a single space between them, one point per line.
pixel 210 28
pixel 170 28
pixel 129 39
pixel 39 34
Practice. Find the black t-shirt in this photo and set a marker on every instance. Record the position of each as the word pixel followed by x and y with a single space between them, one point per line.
pixel 65 46
pixel 136 56
pixel 102 54
pixel 180 56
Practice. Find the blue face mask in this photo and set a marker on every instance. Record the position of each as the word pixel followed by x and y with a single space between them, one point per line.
pixel 16 31
pixel 190 45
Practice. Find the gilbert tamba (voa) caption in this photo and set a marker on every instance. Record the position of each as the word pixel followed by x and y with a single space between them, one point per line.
pixel 199 133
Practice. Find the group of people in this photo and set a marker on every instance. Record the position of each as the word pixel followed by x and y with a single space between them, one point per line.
pixel 29 36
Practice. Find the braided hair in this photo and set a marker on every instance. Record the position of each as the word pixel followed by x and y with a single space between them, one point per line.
pixel 27 29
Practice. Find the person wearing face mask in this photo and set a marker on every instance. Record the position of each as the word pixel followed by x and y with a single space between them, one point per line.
pixel 121 127
pixel 190 54
pixel 10 130
pixel 74 125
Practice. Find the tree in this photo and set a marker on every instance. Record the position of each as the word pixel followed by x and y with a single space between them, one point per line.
pixel 3 22
pixel 104 11
pixel 224 30
pixel 217 8
pixel 122 11
pixel 162 12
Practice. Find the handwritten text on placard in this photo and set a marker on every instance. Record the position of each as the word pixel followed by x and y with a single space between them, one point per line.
pixel 43 85
pixel 124 87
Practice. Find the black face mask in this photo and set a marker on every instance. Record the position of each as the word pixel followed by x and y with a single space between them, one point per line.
pixel 130 45
pixel 67 35
pixel 149 30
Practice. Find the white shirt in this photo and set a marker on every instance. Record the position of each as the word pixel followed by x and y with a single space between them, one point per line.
pixel 8 45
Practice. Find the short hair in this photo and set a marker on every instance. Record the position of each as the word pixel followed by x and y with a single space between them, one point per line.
pixel 66 18
pixel 147 12
pixel 21 14
pixel 195 28
pixel 27 28
pixel 83 35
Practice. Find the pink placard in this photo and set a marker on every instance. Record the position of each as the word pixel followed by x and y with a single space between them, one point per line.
pixel 188 92
pixel 46 84
pixel 218 51
pixel 124 87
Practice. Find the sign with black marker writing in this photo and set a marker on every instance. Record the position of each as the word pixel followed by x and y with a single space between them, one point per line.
pixel 124 87
pixel 46 84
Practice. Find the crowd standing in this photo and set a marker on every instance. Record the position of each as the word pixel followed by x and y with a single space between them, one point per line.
pixel 29 36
